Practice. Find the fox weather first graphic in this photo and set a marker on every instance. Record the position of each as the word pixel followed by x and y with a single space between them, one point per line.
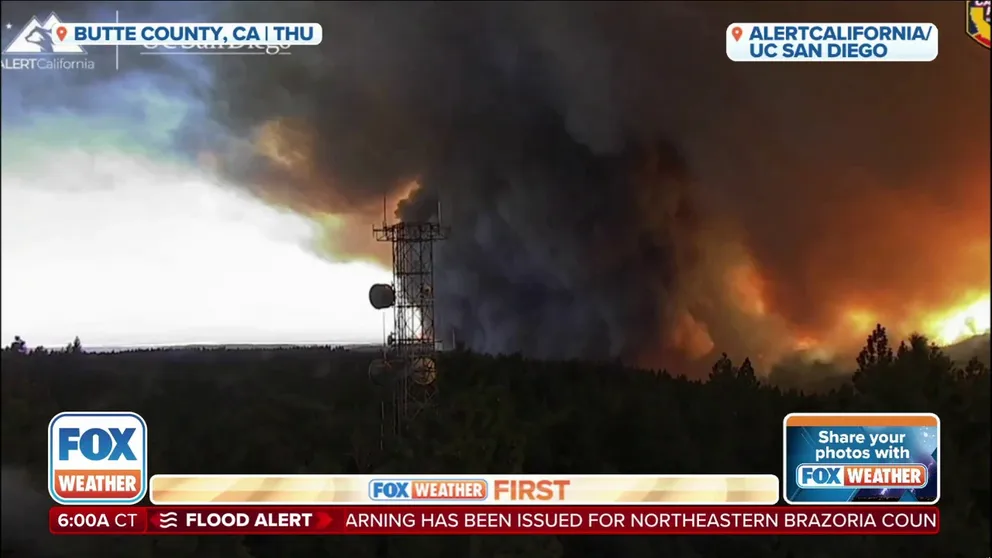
pixel 97 458
pixel 845 458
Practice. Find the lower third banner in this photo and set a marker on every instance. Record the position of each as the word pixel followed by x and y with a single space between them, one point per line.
pixel 493 520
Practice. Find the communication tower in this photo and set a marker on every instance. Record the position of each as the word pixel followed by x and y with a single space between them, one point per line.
pixel 409 364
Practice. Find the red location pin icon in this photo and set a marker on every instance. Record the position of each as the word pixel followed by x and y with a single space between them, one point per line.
pixel 737 32
pixel 60 32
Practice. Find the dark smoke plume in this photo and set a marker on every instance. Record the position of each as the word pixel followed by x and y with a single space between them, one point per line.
pixel 574 225
pixel 616 187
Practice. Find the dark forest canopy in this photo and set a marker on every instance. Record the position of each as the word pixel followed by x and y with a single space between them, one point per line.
pixel 314 410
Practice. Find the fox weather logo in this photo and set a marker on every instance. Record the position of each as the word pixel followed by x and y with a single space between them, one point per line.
pixel 33 48
pixel 97 458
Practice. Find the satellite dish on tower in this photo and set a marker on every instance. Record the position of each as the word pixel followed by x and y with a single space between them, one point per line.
pixel 423 371
pixel 380 371
pixel 382 296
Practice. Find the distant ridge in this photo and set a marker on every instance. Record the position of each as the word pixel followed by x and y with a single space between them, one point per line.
pixel 232 347
pixel 960 352
pixel 973 347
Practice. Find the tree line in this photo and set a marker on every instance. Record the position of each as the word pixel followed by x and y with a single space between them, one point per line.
pixel 314 410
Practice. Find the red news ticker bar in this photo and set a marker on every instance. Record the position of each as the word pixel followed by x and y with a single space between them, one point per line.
pixel 493 520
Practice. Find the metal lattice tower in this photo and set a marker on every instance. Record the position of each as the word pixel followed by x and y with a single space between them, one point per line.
pixel 409 366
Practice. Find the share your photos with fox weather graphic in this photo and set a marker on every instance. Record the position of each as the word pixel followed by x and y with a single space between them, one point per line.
pixel 97 458
pixel 861 458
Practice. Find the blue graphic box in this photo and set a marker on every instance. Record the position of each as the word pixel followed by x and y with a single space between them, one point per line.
pixel 861 458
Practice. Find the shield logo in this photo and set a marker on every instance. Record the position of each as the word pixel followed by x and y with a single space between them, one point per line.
pixel 978 21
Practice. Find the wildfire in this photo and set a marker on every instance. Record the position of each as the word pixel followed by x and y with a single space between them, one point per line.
pixel 967 320
pixel 953 324
pixel 748 289
pixel 861 320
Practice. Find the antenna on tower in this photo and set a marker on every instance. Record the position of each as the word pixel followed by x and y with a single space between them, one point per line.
pixel 409 364
pixel 384 343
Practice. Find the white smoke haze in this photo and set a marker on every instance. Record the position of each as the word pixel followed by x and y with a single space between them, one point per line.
pixel 130 251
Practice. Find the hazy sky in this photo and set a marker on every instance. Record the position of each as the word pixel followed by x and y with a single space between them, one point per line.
pixel 121 249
